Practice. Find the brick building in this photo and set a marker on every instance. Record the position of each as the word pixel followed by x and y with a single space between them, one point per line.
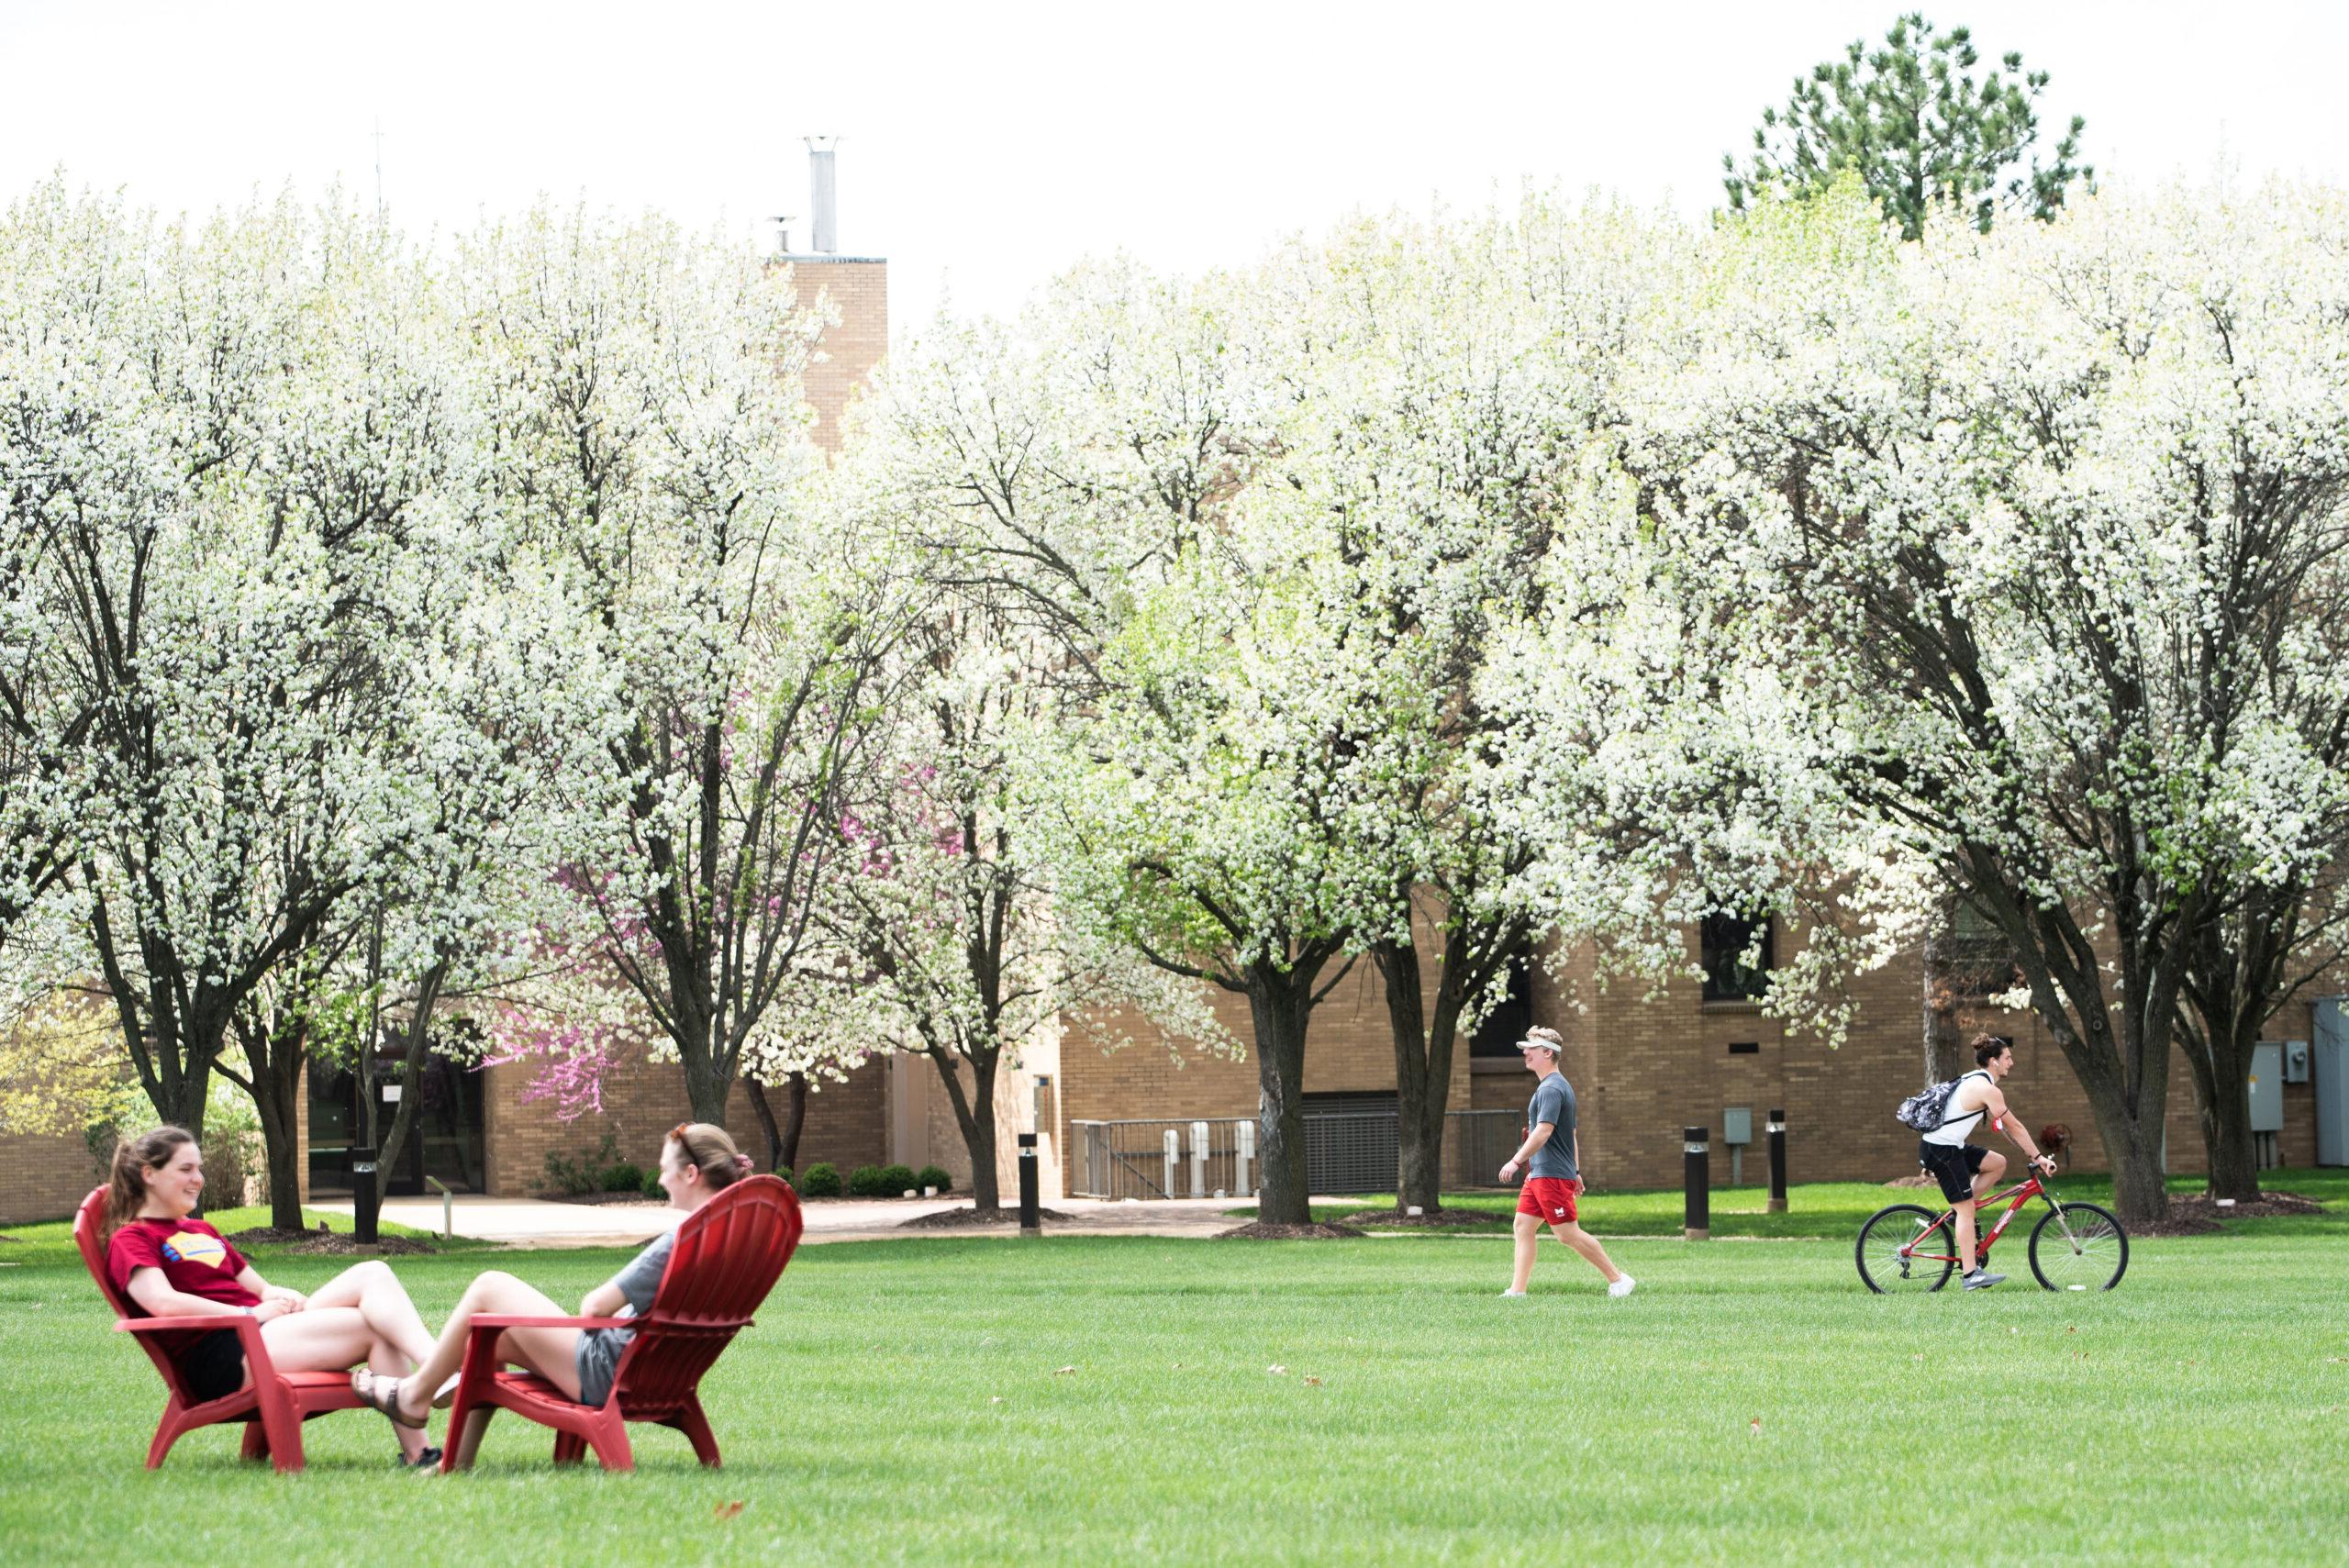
pixel 1646 1065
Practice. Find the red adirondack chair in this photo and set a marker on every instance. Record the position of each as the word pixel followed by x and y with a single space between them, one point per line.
pixel 727 1256
pixel 272 1406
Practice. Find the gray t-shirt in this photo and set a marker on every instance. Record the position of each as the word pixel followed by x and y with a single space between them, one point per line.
pixel 599 1349
pixel 1553 1102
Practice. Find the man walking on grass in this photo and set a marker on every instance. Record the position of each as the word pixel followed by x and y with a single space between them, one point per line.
pixel 1550 1157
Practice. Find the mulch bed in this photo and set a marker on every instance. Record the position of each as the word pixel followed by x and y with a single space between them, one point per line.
pixel 327 1243
pixel 971 1218
pixel 2199 1214
pixel 1264 1231
pixel 1442 1219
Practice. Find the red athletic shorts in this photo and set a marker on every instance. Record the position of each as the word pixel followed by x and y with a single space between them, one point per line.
pixel 1549 1198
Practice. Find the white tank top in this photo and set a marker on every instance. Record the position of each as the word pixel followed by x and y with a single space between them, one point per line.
pixel 1954 1132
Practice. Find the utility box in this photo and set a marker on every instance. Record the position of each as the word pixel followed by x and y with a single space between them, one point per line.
pixel 1737 1125
pixel 2296 1061
pixel 2332 1065
pixel 2268 1087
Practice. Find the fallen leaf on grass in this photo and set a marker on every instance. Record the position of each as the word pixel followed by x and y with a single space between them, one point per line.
pixel 1312 1382
pixel 995 1398
pixel 728 1510
pixel 2012 1329
pixel 1062 1371
pixel 1278 1370
pixel 1757 1426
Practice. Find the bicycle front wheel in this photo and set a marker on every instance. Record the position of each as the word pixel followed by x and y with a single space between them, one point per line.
pixel 1905 1248
pixel 2078 1246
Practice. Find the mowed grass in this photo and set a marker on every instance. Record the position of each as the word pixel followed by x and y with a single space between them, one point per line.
pixel 1116 1400
pixel 1826 1210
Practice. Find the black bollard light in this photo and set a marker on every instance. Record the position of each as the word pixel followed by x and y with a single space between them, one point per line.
pixel 1697 1217
pixel 364 1203
pixel 1777 1162
pixel 1030 1222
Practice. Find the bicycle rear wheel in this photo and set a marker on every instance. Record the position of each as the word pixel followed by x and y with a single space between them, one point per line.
pixel 2092 1256
pixel 1905 1249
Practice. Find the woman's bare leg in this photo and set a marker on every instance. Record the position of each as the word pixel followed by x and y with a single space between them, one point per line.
pixel 377 1293
pixel 552 1353
pixel 328 1339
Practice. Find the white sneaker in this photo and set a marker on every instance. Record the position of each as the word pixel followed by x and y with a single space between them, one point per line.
pixel 1623 1287
pixel 1505 1294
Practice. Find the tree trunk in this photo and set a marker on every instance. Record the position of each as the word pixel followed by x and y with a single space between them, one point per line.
pixel 707 1087
pixel 765 1113
pixel 2225 1113
pixel 975 1116
pixel 276 1094
pixel 1279 1004
pixel 1944 1054
pixel 986 1183
pixel 795 1118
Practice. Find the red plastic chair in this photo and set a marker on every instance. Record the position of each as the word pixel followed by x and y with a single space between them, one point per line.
pixel 727 1256
pixel 272 1406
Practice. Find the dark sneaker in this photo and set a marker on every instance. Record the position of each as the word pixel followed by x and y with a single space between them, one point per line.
pixel 1978 1280
pixel 429 1459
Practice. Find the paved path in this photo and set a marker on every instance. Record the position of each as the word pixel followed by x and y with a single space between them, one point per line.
pixel 535 1222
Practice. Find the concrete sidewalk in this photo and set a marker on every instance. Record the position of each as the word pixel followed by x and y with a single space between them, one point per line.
pixel 537 1222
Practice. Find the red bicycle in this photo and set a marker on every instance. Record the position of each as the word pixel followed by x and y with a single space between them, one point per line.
pixel 2074 1246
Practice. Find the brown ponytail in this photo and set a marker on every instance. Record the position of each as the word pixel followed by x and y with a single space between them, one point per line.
pixel 133 1157
pixel 711 1151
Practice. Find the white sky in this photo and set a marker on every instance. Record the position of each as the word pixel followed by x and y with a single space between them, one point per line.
pixel 988 146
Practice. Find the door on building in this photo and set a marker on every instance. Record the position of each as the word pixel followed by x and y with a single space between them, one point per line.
pixel 444 1139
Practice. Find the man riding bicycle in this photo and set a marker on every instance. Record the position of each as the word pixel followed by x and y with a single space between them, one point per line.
pixel 1968 1170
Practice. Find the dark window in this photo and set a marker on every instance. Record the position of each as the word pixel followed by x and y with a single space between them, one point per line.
pixel 1728 976
pixel 1506 1024
pixel 1746 1048
pixel 1976 958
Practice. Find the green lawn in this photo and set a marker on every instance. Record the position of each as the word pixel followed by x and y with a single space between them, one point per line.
pixel 903 1402
pixel 1822 1209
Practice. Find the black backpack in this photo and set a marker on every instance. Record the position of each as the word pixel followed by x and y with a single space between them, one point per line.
pixel 1928 1108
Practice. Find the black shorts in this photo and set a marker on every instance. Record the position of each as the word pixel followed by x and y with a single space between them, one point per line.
pixel 213 1367
pixel 1953 1165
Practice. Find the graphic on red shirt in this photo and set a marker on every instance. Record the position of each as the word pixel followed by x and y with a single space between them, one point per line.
pixel 195 1246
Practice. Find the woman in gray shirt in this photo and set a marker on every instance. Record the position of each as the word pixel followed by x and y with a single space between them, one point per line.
pixel 697 1162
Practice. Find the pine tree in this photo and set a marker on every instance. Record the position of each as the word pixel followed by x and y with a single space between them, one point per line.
pixel 1916 126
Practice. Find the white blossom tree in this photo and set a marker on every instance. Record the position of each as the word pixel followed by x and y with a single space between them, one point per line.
pixel 2034 519
pixel 649 434
pixel 226 570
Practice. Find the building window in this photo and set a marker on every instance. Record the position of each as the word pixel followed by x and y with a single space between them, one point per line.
pixel 1506 1024
pixel 1725 942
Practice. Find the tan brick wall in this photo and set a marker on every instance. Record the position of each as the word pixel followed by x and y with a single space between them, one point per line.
pixel 43 1175
pixel 846 354
pixel 1348 1046
pixel 1645 1066
pixel 643 1099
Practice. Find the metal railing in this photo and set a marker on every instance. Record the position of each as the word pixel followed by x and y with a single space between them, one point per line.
pixel 1346 1152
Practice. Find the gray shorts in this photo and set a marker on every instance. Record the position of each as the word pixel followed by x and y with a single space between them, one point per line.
pixel 599 1357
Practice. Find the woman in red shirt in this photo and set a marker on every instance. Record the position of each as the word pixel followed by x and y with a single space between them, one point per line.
pixel 171 1266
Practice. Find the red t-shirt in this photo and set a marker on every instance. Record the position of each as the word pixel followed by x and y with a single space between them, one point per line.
pixel 195 1259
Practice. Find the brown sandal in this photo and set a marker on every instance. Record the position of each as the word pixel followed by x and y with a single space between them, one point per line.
pixel 382 1395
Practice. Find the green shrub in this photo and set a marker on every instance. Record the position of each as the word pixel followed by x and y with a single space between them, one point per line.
pixel 577 1175
pixel 880 1181
pixel 819 1180
pixel 652 1184
pixel 934 1176
pixel 785 1171
pixel 623 1178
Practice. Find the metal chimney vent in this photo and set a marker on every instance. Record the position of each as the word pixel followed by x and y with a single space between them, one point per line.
pixel 822 195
